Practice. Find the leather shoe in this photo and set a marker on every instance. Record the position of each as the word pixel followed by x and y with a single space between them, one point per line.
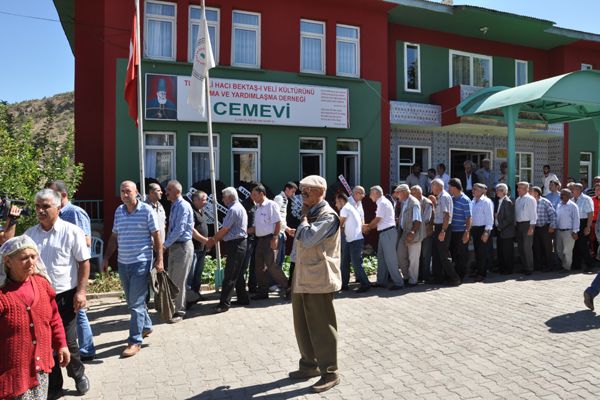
pixel 588 300
pixel 393 287
pixel 131 350
pixel 175 319
pixel 241 303
pixel 362 289
pixel 82 385
pixel 146 333
pixel 87 358
pixel 260 296
pixel 304 374
pixel 221 309
pixel 55 394
pixel 326 382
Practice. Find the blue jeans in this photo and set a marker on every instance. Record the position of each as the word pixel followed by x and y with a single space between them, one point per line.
pixel 280 250
pixel 352 252
pixel 594 288
pixel 134 278
pixel 194 280
pixel 84 335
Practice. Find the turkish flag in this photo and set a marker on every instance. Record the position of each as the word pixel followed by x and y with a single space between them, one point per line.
pixel 132 74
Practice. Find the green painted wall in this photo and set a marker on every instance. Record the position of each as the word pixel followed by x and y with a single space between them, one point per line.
pixel 279 144
pixel 582 137
pixel 435 73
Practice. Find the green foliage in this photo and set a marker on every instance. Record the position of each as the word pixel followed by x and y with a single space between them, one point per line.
pixel 29 162
pixel 210 266
pixel 105 282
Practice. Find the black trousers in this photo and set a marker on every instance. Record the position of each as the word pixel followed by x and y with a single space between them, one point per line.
pixel 460 254
pixel 235 251
pixel 75 369
pixel 249 264
pixel 581 251
pixel 483 251
pixel 442 268
pixel 506 251
pixel 543 259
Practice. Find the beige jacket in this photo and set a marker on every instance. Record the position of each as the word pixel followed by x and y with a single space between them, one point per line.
pixel 318 267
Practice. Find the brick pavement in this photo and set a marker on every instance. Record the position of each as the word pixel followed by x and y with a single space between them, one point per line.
pixel 510 339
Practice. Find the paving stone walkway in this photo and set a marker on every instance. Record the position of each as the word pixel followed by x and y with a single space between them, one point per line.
pixel 510 338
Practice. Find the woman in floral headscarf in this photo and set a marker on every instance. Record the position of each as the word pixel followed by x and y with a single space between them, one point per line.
pixel 30 325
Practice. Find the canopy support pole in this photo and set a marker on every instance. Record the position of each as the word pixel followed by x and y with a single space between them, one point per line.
pixel 596 121
pixel 510 116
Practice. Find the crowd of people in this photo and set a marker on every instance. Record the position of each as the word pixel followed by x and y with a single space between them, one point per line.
pixel 424 230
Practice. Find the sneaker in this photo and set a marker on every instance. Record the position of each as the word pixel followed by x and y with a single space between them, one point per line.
pixel 131 350
pixel 326 382
pixel 304 374
pixel 588 300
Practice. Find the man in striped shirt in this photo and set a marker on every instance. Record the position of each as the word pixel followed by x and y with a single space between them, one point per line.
pixel 543 259
pixel 135 232
pixel 460 227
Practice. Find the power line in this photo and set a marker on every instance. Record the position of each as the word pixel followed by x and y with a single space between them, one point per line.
pixel 62 21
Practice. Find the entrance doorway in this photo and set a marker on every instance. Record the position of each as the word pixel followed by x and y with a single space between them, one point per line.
pixel 459 156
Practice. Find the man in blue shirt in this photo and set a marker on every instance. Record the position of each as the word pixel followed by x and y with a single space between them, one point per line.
pixel 543 259
pixel 554 195
pixel 180 246
pixel 77 216
pixel 233 233
pixel 135 232
pixel 460 227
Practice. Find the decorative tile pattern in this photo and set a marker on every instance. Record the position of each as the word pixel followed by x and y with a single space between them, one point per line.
pixel 405 113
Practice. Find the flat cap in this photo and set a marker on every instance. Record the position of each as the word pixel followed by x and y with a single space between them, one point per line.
pixel 315 181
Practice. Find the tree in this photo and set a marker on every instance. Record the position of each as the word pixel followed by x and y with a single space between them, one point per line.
pixel 26 165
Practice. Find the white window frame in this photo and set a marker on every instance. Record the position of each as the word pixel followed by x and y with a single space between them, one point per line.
pixel 202 149
pixel 517 62
pixel 321 153
pixel 399 164
pixel 235 25
pixel 588 165
pixel 350 153
pixel 586 67
pixel 406 88
pixel 311 35
pixel 518 169
pixel 471 69
pixel 348 40
pixel 172 148
pixel 192 40
pixel 238 150
pixel 173 21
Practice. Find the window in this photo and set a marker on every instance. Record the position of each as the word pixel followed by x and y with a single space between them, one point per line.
pixel 160 156
pixel 312 46
pixel 348 51
pixel 524 172
pixel 246 158
pixel 199 161
pixel 585 67
pixel 312 157
pixel 348 160
pixel 407 156
pixel 412 67
pixel 245 49
pixel 520 72
pixel 585 167
pixel 159 30
pixel 470 69
pixel 212 21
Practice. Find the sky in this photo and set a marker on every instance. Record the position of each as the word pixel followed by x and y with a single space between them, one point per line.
pixel 37 60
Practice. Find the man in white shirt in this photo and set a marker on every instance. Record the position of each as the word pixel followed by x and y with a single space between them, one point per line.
pixel 481 229
pixel 267 226
pixel 282 200
pixel 64 251
pixel 548 176
pixel 567 227
pixel 358 194
pixel 581 251
pixel 352 244
pixel 526 218
pixel 385 223
pixel 441 174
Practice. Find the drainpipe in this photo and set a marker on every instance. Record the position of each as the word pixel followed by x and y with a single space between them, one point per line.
pixel 596 121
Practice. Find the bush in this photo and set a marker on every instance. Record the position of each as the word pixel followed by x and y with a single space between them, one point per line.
pixel 105 282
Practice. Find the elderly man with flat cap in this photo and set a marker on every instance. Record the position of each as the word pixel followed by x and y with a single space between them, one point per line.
pixel 317 278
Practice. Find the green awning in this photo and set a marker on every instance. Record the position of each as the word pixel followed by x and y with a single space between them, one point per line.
pixel 564 98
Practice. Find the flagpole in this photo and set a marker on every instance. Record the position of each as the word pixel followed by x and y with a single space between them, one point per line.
pixel 211 158
pixel 140 124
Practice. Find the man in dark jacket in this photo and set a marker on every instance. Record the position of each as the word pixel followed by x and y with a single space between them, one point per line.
pixel 505 229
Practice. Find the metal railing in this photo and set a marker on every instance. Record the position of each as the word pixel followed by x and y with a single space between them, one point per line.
pixel 93 208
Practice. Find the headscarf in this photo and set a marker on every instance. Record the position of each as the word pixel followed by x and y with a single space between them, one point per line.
pixel 13 246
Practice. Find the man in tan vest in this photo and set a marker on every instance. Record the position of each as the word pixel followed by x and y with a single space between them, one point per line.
pixel 317 278
pixel 410 234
